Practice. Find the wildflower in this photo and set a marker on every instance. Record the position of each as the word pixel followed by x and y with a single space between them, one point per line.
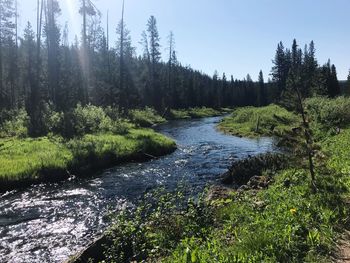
pixel 293 211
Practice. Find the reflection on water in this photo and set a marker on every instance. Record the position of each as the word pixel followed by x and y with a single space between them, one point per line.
pixel 50 222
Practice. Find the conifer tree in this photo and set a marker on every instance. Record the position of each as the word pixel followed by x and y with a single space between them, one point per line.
pixel 334 87
pixel 261 91
pixel 154 53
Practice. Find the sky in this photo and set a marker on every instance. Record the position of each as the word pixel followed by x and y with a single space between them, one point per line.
pixel 232 36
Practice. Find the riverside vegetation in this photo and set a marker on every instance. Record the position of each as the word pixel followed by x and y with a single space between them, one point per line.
pixel 283 222
pixel 102 138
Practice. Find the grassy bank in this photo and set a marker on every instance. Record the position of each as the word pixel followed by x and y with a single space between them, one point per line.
pixel 99 138
pixel 194 113
pixel 253 121
pixel 25 161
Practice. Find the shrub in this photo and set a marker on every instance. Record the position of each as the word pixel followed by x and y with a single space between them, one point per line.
pixel 156 226
pixel 14 123
pixel 329 114
pixel 53 120
pixel 89 119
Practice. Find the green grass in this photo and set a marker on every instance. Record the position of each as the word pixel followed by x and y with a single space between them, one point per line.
pixel 338 149
pixel 35 160
pixel 253 121
pixel 280 224
pixel 194 113
pixel 28 158
pixel 146 117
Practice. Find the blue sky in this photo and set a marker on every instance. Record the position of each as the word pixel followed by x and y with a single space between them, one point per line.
pixel 231 36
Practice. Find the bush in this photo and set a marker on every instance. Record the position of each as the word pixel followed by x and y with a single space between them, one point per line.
pixel 329 114
pixel 89 119
pixel 156 226
pixel 14 123
pixel 53 120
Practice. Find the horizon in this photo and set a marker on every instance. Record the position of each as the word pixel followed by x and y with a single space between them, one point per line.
pixel 229 35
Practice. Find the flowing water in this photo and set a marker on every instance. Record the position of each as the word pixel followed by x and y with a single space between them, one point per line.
pixel 50 222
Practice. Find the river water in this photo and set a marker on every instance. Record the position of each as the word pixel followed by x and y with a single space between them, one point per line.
pixel 50 222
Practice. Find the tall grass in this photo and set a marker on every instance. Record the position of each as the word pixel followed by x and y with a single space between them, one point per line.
pixel 146 117
pixel 252 121
pixel 46 158
pixel 31 158
pixel 194 113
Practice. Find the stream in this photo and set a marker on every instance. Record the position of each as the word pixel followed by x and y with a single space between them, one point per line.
pixel 50 222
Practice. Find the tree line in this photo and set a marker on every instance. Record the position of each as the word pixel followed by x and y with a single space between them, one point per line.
pixel 41 70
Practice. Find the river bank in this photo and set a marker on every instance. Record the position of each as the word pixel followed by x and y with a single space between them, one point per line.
pixel 27 161
pixel 274 218
pixel 50 222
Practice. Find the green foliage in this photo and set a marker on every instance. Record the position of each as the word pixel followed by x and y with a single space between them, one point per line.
pixel 146 118
pixel 194 113
pixel 53 121
pixel 280 224
pixel 253 121
pixel 284 223
pixel 180 114
pixel 156 226
pixel 203 112
pixel 90 119
pixel 14 123
pixel 328 115
pixel 337 148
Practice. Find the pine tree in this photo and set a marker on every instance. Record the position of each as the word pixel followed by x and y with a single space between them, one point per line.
pixel 7 33
pixel 172 55
pixel 261 91
pixel 334 87
pixel 28 47
pixel 310 70
pixel 154 52
pixel 52 34
pixel 87 9
pixel 281 67
pixel 128 94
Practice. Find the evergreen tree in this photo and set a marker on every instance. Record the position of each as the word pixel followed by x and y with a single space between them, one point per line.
pixel 155 55
pixel 281 67
pixel 261 91
pixel 7 34
pixel 87 10
pixel 333 88
pixel 52 34
pixel 310 70
pixel 172 56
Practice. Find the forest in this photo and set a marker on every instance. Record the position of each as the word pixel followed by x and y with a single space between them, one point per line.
pixel 43 74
